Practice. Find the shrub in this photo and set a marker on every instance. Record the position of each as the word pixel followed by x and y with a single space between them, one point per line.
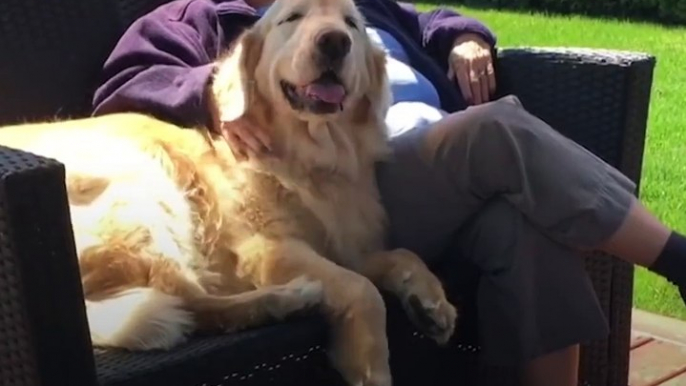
pixel 666 11
pixel 672 10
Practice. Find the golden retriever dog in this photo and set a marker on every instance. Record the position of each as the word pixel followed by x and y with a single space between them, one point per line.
pixel 175 236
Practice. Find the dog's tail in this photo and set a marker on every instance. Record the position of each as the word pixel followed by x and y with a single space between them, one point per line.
pixel 139 319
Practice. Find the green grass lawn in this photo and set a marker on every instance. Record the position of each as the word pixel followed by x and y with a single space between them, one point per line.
pixel 663 185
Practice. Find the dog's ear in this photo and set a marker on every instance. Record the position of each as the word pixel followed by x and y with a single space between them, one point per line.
pixel 377 98
pixel 233 85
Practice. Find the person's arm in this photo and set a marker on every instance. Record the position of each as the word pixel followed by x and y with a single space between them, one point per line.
pixel 437 30
pixel 162 65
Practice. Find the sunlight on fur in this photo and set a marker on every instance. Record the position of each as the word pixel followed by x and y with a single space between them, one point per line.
pixel 175 236
pixel 153 320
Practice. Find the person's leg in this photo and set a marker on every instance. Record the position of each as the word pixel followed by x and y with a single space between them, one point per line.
pixel 518 263
pixel 560 368
pixel 640 239
pixel 536 303
pixel 499 149
pixel 442 175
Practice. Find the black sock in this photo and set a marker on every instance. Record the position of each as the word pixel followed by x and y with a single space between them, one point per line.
pixel 671 263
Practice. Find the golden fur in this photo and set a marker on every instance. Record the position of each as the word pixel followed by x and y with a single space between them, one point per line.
pixel 174 235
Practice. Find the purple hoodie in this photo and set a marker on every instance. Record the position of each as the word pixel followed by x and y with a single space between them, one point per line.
pixel 163 62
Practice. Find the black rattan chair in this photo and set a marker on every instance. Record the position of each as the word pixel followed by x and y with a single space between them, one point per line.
pixel 51 53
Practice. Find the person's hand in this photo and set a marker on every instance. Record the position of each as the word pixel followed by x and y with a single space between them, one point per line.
pixel 471 64
pixel 245 139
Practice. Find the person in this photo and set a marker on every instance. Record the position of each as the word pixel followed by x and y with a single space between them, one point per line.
pixel 523 201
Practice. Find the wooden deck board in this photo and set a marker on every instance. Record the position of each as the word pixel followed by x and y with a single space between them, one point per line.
pixel 659 326
pixel 658 351
pixel 638 339
pixel 656 362
pixel 680 380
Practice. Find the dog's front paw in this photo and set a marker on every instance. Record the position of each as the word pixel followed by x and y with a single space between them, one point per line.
pixel 422 296
pixel 434 317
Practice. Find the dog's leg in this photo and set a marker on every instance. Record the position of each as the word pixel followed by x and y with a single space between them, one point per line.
pixel 138 300
pixel 253 308
pixel 135 298
pixel 404 274
pixel 141 294
pixel 354 306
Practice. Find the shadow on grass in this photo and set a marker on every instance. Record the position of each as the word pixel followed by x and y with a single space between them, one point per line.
pixel 533 7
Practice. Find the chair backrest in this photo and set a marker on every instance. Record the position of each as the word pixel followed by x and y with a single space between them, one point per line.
pixel 51 55
pixel 52 51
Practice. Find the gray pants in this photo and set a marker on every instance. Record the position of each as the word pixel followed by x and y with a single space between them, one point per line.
pixel 520 198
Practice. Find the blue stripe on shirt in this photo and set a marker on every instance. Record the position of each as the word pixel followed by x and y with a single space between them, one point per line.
pixel 407 84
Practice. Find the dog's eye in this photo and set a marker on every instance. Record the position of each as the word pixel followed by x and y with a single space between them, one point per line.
pixel 350 21
pixel 292 17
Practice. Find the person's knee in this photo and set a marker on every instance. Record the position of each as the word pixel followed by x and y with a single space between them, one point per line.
pixel 496 107
pixel 496 115
pixel 486 125
pixel 511 99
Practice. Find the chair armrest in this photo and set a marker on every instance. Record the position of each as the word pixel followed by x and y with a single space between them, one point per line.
pixel 600 99
pixel 43 326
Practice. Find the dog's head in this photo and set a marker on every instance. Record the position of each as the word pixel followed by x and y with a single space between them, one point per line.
pixel 309 59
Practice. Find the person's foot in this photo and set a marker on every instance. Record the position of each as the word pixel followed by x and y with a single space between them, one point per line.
pixel 671 263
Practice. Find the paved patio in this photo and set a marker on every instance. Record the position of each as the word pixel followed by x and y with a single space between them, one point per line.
pixel 658 351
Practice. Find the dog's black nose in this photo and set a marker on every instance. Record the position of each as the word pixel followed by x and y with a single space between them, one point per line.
pixel 334 46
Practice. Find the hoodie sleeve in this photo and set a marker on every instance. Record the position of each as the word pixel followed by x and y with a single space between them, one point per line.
pixel 437 29
pixel 162 65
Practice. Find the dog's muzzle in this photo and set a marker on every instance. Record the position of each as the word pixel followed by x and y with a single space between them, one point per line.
pixel 332 48
pixel 326 94
pixel 323 96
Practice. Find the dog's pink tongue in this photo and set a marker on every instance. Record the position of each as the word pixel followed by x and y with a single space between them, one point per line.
pixel 329 93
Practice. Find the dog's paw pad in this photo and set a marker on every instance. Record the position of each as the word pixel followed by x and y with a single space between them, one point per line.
pixel 434 319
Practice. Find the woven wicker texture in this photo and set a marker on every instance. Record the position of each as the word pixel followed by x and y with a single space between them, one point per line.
pixel 42 316
pixel 52 52
pixel 17 358
pixel 599 99
pixel 274 354
pixel 288 354
pixel 129 10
